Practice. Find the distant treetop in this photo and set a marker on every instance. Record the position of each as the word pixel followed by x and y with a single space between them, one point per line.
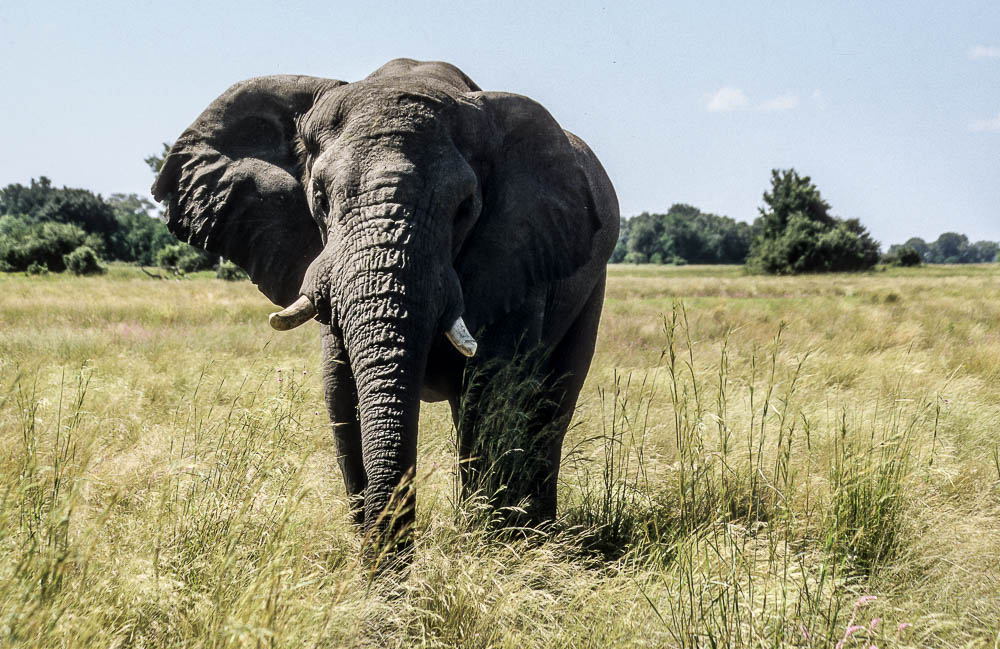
pixel 796 233
pixel 683 235
pixel 950 248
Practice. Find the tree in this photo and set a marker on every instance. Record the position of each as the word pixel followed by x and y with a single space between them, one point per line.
pixel 42 203
pixel 983 252
pixel 950 248
pixel 124 227
pixel 83 261
pixel 901 256
pixel 919 245
pixel 684 234
pixel 644 235
pixel 25 201
pixel 790 195
pixel 140 235
pixel 796 233
pixel 908 257
pixel 23 243
pixel 154 161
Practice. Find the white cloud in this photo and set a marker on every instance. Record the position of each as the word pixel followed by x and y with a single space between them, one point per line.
pixel 726 99
pixel 984 52
pixel 987 124
pixel 787 101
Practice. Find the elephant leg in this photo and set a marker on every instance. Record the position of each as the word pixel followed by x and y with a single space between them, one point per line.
pixel 342 406
pixel 485 408
pixel 568 367
pixel 510 439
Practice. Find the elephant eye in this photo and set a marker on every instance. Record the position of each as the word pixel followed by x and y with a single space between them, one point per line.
pixel 321 206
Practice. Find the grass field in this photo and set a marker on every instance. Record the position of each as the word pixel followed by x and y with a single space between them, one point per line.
pixel 756 461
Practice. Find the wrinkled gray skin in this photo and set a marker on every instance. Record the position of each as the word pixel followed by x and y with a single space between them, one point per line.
pixel 396 204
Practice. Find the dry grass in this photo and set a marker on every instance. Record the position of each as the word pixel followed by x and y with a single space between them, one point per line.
pixel 743 470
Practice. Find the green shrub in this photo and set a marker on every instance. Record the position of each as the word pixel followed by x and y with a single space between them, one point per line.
pixel 182 258
pixel 230 272
pixel 902 256
pixel 23 243
pixel 83 261
pixel 36 268
pixel 796 234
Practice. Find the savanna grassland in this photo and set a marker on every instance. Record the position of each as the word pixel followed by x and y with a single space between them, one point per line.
pixel 756 461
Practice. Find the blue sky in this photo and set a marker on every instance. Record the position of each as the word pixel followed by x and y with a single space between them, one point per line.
pixel 893 108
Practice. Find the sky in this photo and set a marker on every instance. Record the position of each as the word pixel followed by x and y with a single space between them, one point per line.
pixel 891 107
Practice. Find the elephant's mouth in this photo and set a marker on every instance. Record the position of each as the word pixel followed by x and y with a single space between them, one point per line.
pixel 303 310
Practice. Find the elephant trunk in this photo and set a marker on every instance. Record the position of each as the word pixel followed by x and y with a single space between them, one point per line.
pixel 388 303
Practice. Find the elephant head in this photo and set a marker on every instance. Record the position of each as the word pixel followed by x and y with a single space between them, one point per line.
pixel 398 209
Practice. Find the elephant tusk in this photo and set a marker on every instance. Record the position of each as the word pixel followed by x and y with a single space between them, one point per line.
pixel 301 311
pixel 459 336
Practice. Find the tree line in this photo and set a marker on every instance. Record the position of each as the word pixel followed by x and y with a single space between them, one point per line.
pixel 795 232
pixel 44 228
pixel 949 248
pixel 683 235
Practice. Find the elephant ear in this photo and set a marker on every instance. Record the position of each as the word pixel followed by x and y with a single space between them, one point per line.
pixel 538 217
pixel 231 182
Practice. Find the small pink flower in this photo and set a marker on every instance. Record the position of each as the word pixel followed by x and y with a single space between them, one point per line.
pixel 279 379
pixel 864 600
pixel 872 647
pixel 903 626
pixel 874 623
pixel 851 630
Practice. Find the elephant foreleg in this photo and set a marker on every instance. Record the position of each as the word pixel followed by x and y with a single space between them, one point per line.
pixel 342 406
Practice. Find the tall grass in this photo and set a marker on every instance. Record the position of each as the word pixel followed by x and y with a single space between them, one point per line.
pixel 728 480
pixel 730 522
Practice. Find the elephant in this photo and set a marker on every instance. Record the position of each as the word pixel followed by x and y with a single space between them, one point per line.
pixel 432 229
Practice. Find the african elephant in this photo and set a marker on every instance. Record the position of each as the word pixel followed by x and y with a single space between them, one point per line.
pixel 403 212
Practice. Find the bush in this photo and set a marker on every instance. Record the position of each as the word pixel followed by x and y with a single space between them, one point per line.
pixel 36 268
pixel 83 261
pixel 182 258
pixel 902 256
pixel 798 235
pixel 230 272
pixel 23 243
pixel 123 227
